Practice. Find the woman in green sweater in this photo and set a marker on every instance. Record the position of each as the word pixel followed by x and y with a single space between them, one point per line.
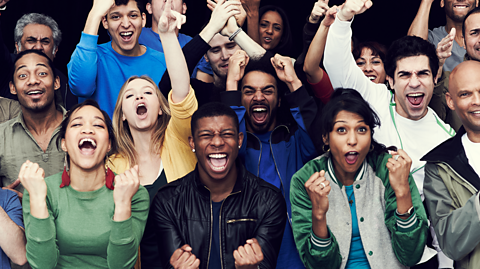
pixel 85 217
pixel 356 206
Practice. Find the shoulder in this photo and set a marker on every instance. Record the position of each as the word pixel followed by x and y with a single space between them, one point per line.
pixel 157 55
pixel 6 197
pixel 176 189
pixel 141 195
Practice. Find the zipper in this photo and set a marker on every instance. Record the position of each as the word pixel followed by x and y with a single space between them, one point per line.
pixel 211 230
pixel 240 220
pixel 220 227
pixel 259 156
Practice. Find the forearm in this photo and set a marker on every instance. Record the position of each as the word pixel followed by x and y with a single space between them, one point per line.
pixel 176 66
pixel 315 54
pixel 249 45
pixel 419 26
pixel 252 23
pixel 93 21
pixel 12 239
pixel 82 68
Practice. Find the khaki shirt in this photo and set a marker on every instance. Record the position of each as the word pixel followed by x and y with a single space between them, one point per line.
pixel 17 145
pixel 8 109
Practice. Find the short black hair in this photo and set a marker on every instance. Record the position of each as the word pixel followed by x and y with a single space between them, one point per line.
pixel 377 49
pixel 27 52
pixel 108 122
pixel 471 12
pixel 350 100
pixel 213 109
pixel 409 46
pixel 140 4
pixel 285 45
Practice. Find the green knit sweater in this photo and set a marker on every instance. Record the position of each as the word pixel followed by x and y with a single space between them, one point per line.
pixel 80 231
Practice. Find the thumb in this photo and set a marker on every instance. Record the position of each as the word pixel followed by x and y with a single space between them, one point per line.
pixel 14 184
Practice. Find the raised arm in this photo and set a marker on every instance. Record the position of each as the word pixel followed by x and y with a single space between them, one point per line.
pixel 96 14
pixel 252 7
pixel 176 64
pixel 419 26
pixel 12 235
pixel 235 33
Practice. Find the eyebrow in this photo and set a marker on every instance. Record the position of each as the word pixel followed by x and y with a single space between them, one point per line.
pixel 42 39
pixel 81 117
pixel 338 121
pixel 252 88
pixel 24 66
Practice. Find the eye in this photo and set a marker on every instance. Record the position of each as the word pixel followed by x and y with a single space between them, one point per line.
pixel 464 94
pixel 114 17
pixel 149 92
pixel 45 42
pixel 42 74
pixel 376 62
pixel 263 25
pixel 134 15
pixel 360 63
pixel 267 92
pixel 278 28
pixel 248 92
pixel 128 96
pixel 99 126
pixel 341 130
pixel 362 129
pixel 227 135
pixel 75 125
pixel 216 50
pixel 22 76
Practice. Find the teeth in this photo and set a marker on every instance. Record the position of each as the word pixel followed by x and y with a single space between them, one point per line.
pixel 34 92
pixel 217 156
pixel 476 112
pixel 415 94
pixel 139 105
pixel 371 78
pixel 126 33
pixel 352 153
pixel 218 168
pixel 259 110
pixel 87 140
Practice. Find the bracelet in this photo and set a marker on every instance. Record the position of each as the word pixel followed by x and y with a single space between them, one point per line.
pixel 235 34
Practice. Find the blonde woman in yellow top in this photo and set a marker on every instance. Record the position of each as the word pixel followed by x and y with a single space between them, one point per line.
pixel 153 133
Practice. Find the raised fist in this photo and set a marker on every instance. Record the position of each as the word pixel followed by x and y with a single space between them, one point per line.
pixel 353 7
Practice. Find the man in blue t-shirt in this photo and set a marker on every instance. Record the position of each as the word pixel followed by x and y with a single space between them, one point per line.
pixel 12 232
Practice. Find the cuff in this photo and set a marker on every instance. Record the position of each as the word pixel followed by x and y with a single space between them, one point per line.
pixel 311 28
pixel 231 98
pixel 320 243
pixel 298 97
pixel 88 41
pixel 41 230
pixel 186 107
pixel 408 224
pixel 121 232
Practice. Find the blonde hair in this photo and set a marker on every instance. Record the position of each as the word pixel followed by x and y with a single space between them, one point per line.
pixel 125 143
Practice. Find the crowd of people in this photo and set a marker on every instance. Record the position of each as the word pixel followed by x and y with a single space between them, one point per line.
pixel 161 150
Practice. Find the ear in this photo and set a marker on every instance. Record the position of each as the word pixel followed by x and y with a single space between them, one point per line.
pixel 184 8
pixel 123 117
pixel 442 3
pixel 191 142
pixel 109 146
pixel 16 48
pixel 391 81
pixel 206 58
pixel 55 52
pixel 160 112
pixel 240 140
pixel 64 146
pixel 105 22
pixel 56 83
pixel 449 100
pixel 144 19
pixel 325 139
pixel 13 90
pixel 149 8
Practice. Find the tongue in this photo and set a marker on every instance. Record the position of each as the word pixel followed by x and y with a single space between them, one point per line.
pixel 415 100
pixel 141 110
pixel 218 162
pixel 259 116
pixel 351 158
pixel 87 147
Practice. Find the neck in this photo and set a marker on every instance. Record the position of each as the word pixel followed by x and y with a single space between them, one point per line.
pixel 473 136
pixel 344 177
pixel 219 82
pixel 41 122
pixel 404 114
pixel 458 28
pixel 142 142
pixel 138 50
pixel 82 180
pixel 219 189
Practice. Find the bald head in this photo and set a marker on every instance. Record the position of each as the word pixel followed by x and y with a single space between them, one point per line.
pixel 463 95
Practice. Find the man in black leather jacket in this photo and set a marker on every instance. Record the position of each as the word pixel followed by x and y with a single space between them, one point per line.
pixel 219 215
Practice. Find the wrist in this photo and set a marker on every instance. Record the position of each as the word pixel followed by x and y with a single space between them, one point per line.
pixel 294 85
pixel 231 85
pixel 344 17
pixel 313 20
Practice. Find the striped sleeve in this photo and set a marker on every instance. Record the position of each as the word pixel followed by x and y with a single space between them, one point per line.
pixel 320 243
pixel 408 224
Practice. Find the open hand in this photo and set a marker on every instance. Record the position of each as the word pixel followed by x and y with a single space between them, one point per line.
pixel 170 19
pixel 444 47
pixel 183 258
pixel 399 170
pixel 240 18
pixel 222 12
pixel 248 256
pixel 318 188
pixel 353 7
pixel 32 178
pixel 318 11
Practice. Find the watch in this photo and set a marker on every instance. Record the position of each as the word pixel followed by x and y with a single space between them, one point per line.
pixel 406 214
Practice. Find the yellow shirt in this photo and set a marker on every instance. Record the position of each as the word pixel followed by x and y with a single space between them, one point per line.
pixel 177 157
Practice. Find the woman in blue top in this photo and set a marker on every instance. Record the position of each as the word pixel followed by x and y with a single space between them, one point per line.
pixel 356 206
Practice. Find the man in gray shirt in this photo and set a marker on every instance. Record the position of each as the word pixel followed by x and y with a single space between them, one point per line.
pixel 32 135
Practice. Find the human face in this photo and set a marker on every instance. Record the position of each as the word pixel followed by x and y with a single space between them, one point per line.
pixel 219 54
pixel 86 139
pixel 456 10
pixel 413 85
pixel 124 24
pixel 140 105
pixel 270 30
pixel 156 7
pixel 34 83
pixel 472 36
pixel 37 37
pixel 216 142
pixel 260 99
pixel 464 97
pixel 372 66
pixel 349 143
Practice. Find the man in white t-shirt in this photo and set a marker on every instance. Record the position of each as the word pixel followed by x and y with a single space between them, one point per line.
pixel 411 66
pixel 452 173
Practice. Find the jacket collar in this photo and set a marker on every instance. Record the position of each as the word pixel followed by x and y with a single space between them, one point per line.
pixel 239 184
pixel 331 171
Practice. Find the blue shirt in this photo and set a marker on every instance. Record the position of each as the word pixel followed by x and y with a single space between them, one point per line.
pixel 10 203
pixel 356 257
pixel 215 262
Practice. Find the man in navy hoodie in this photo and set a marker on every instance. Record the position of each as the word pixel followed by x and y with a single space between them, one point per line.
pixel 276 143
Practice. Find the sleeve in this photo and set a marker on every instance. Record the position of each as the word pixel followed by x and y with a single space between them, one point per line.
pixel 323 89
pixel 456 227
pixel 341 67
pixel 193 51
pixel 6 68
pixel 168 235
pixel 13 208
pixel 270 232
pixel 408 236
pixel 42 249
pixel 314 252
pixel 181 116
pixel 125 236
pixel 82 68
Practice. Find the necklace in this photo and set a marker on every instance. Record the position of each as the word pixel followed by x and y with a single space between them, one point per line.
pixel 350 199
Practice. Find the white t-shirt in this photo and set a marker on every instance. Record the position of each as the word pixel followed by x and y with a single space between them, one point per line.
pixel 417 138
pixel 472 150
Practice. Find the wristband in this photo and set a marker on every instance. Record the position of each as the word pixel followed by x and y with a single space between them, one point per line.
pixel 235 34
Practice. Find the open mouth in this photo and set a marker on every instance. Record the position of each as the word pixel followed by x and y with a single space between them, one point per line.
pixel 87 146
pixel 35 93
pixel 141 110
pixel 372 78
pixel 351 157
pixel 415 99
pixel 259 114
pixel 218 161
pixel 225 66
pixel 126 36
pixel 267 39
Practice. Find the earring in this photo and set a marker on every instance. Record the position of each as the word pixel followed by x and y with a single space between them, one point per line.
pixel 193 150
pixel 371 148
pixel 65 163
pixel 325 150
pixel 239 146
pixel 106 164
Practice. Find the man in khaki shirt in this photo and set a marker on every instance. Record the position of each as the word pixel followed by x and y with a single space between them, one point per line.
pixel 32 135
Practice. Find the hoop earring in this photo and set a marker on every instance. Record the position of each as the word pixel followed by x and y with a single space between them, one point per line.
pixel 325 150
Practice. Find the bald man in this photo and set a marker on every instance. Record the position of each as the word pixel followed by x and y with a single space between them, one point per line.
pixel 452 181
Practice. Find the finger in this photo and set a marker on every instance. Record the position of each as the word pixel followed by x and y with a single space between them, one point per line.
pixel 368 4
pixel 312 179
pixel 196 263
pixel 249 254
pixel 255 246
pixel 176 254
pixel 242 252
pixel 236 256
pixel 186 247
pixel 191 259
pixel 14 184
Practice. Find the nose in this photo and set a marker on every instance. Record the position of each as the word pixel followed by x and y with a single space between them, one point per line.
pixel 225 54
pixel 414 81
pixel 351 138
pixel 217 140
pixel 87 129
pixel 269 29
pixel 33 79
pixel 258 95
pixel 368 67
pixel 125 22
pixel 139 97
pixel 38 45
pixel 476 98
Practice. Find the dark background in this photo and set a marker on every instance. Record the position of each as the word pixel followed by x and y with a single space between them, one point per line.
pixel 386 21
